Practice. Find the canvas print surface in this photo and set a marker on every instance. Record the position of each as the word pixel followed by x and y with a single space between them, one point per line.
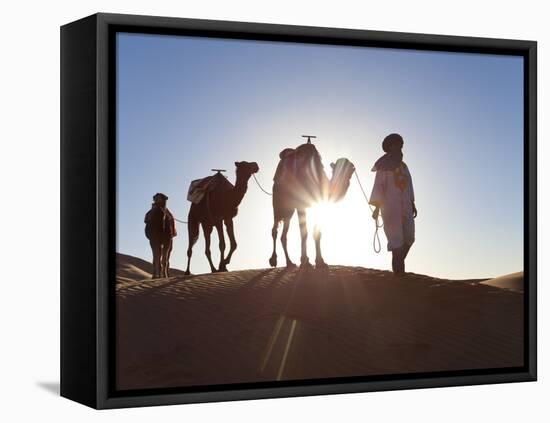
pixel 290 212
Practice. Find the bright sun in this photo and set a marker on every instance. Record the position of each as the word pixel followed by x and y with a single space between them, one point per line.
pixel 320 215
pixel 347 232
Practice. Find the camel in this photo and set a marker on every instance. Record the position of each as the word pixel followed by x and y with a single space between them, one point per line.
pixel 300 181
pixel 219 206
pixel 160 228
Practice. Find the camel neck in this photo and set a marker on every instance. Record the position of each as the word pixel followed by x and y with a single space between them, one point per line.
pixel 338 187
pixel 241 185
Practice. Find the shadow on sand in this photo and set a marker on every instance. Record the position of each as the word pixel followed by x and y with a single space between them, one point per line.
pixel 284 324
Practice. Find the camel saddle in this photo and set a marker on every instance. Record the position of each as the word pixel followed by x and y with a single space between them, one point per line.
pixel 287 163
pixel 199 187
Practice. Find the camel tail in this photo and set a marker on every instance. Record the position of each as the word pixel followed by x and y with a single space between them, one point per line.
pixel 193 236
pixel 192 232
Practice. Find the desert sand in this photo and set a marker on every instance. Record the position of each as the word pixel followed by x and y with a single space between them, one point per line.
pixel 279 324
pixel 513 281
pixel 130 269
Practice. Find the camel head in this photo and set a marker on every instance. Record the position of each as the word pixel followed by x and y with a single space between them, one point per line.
pixel 244 170
pixel 342 170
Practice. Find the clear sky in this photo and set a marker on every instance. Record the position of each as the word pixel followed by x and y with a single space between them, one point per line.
pixel 186 105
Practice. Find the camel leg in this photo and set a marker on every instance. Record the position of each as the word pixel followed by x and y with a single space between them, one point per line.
pixel 319 261
pixel 193 234
pixel 221 238
pixel 156 248
pixel 232 240
pixel 286 225
pixel 273 258
pixel 302 220
pixel 207 230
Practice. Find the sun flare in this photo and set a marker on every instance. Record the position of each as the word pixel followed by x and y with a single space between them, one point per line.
pixel 347 232
pixel 320 215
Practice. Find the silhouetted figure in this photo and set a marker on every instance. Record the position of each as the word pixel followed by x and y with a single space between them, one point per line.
pixel 393 195
pixel 299 182
pixel 215 202
pixel 160 228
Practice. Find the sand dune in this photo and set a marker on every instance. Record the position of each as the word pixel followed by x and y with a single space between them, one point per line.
pixel 279 324
pixel 513 281
pixel 131 269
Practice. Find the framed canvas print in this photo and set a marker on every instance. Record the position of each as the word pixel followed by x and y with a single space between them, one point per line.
pixel 256 211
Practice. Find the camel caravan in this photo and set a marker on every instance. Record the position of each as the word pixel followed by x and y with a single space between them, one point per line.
pixel 299 182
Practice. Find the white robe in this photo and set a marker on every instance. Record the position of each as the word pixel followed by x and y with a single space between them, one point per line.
pixel 393 193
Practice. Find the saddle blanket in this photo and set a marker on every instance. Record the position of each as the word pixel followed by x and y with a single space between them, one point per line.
pixel 199 187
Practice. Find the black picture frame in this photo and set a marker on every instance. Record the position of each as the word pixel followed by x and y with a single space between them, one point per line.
pixel 88 206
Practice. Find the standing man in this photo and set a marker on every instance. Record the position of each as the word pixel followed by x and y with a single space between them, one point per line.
pixel 393 195
pixel 160 228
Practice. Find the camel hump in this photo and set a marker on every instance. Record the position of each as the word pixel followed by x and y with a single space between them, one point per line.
pixel 285 167
pixel 199 187
pixel 287 152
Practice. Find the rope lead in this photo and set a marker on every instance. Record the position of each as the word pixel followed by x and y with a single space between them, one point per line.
pixel 376 244
pixel 259 186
